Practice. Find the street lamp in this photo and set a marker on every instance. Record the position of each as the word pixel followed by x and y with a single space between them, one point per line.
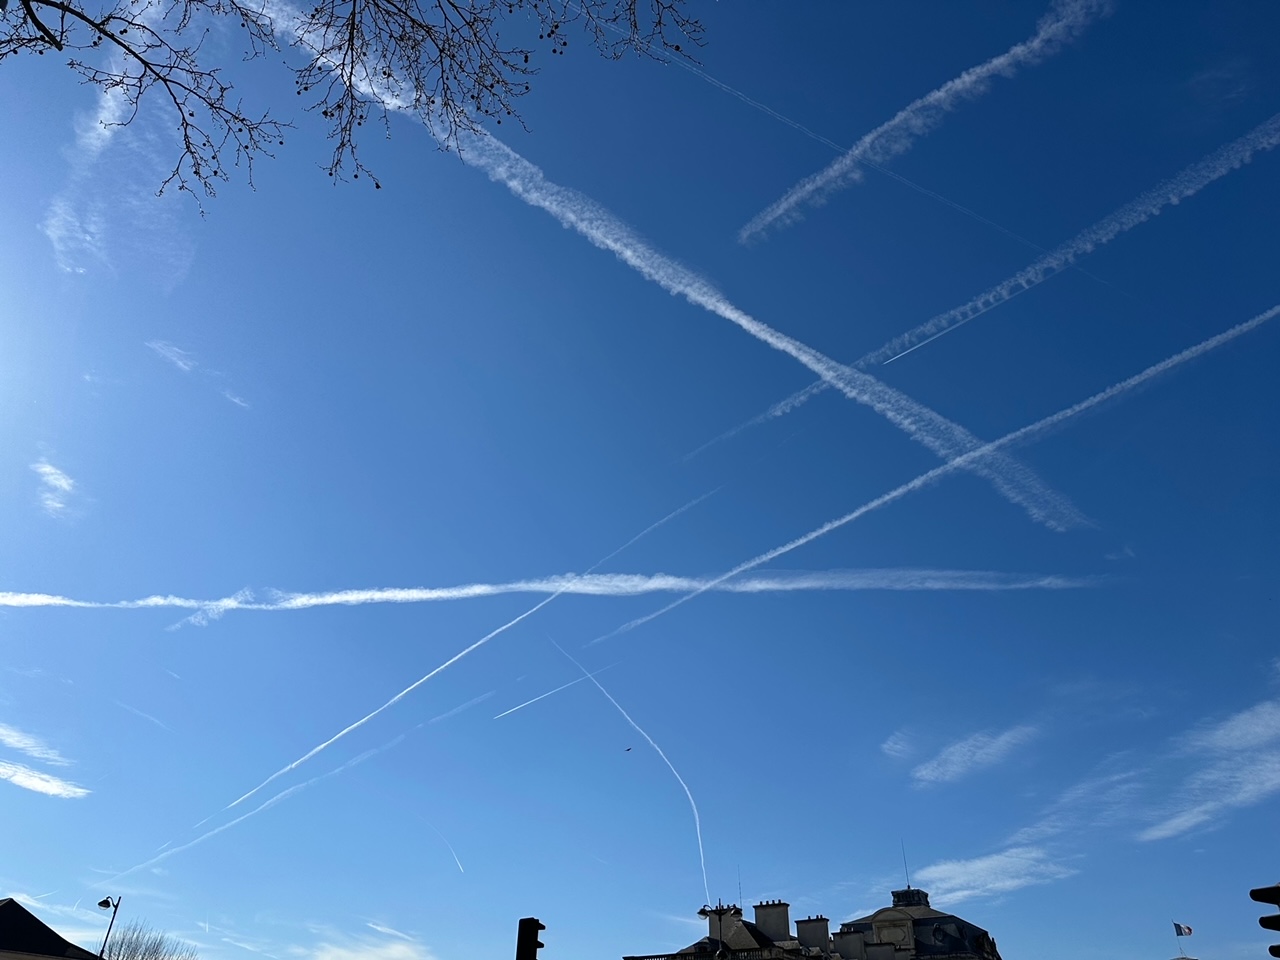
pixel 106 903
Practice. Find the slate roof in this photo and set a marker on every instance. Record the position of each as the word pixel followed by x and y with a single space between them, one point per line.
pixel 21 931
pixel 740 935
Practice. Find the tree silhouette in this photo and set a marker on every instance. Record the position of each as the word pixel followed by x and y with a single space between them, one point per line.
pixel 441 61
pixel 137 940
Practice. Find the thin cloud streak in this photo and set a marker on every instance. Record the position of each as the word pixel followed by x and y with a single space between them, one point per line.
pixel 584 584
pixel 145 716
pixel 1183 186
pixel 972 753
pixel 693 805
pixel 1022 435
pixel 1064 23
pixel 180 358
pixel 952 881
pixel 51 786
pixel 31 745
pixel 1013 480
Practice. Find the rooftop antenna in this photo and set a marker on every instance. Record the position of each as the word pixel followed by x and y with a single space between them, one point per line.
pixel 905 871
pixel 739 884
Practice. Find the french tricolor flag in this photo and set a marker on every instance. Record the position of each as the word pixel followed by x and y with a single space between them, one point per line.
pixel 1181 930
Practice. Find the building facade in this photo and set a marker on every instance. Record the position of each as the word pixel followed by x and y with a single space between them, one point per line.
pixel 908 929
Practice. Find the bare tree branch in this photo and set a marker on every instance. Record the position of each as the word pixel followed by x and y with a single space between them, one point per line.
pixel 138 940
pixel 443 62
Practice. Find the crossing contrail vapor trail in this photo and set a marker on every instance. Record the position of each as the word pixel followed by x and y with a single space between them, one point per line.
pixel 764 108
pixel 693 805
pixel 1010 439
pixel 1063 24
pixel 1183 186
pixel 1016 482
pixel 1264 137
pixel 434 673
pixel 563 686
pixel 267 805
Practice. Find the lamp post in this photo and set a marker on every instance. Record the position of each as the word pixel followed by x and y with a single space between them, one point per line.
pixel 106 903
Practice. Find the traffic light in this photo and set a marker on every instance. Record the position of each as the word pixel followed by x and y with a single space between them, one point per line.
pixel 527 942
pixel 1269 895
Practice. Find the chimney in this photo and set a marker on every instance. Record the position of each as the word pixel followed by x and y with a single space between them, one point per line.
pixel 773 917
pixel 721 920
pixel 814 932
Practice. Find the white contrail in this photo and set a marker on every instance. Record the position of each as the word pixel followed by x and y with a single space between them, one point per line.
pixel 697 820
pixel 1063 24
pixel 1009 439
pixel 684 64
pixel 779 409
pixel 946 439
pixel 438 670
pixel 463 706
pixel 279 797
pixel 1265 136
pixel 386 706
pixel 584 584
pixel 1186 184
pixel 446 843
pixel 563 686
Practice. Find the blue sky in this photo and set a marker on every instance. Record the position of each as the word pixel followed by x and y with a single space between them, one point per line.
pixel 340 437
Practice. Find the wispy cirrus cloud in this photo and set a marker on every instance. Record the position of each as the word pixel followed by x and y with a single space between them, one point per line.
pixel 107 215
pixel 899 744
pixel 1239 767
pixel 953 881
pixel 1012 479
pixel 389 931
pixel 398 949
pixel 56 488
pixel 975 752
pixel 31 745
pixel 1255 727
pixel 1097 801
pixel 23 776
pixel 1065 22
pixel 184 361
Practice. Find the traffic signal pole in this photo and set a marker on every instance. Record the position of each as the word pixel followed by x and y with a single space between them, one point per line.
pixel 1269 895
pixel 527 942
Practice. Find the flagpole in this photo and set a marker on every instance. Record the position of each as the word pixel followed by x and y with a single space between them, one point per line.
pixel 1178 937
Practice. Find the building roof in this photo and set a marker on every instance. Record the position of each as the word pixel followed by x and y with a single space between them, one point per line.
pixel 21 931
